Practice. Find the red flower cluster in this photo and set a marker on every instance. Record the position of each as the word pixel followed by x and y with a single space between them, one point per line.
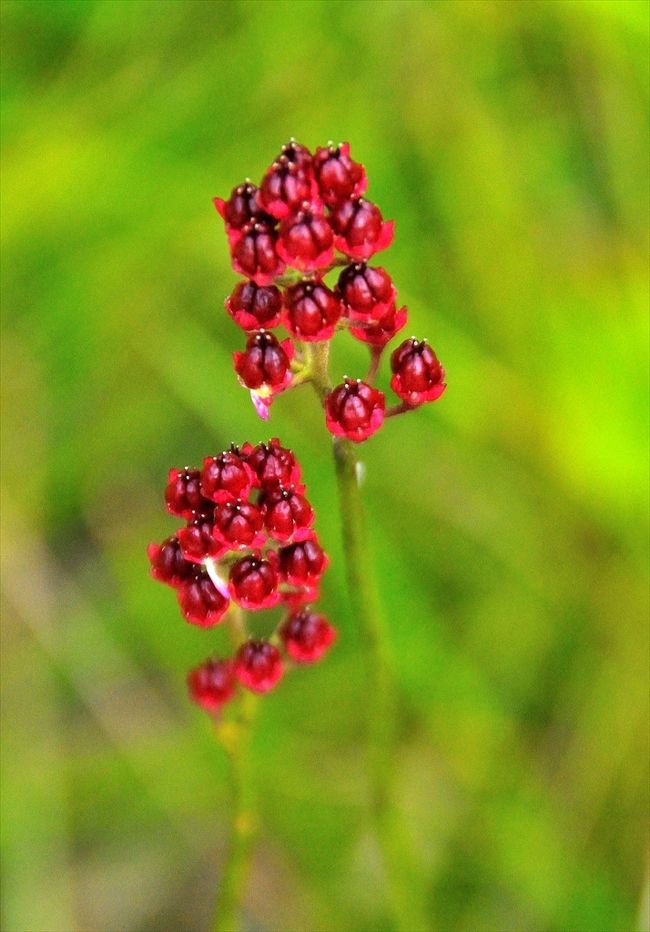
pixel 248 538
pixel 284 237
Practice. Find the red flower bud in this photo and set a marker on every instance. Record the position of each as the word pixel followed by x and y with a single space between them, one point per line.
pixel 367 293
pixel 306 241
pixel 265 364
pixel 287 514
pixel 418 376
pixel 337 175
pixel 183 494
pixel 241 208
pixel 313 311
pixel 212 684
pixel 254 254
pixel 197 540
pixel 359 228
pixel 258 666
pixel 380 332
pixel 272 463
pixel 254 582
pixel 201 602
pixel 225 477
pixel 168 565
pixel 298 155
pixel 303 563
pixel 307 636
pixel 286 187
pixel 238 524
pixel 354 410
pixel 255 307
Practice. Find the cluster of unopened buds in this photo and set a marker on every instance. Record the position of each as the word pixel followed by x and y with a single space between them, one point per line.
pixel 247 544
pixel 308 217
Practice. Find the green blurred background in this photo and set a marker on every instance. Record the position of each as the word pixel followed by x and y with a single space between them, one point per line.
pixel 508 140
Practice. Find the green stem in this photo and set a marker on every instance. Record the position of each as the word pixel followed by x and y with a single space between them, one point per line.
pixel 235 736
pixel 402 901
pixel 376 353
pixel 401 892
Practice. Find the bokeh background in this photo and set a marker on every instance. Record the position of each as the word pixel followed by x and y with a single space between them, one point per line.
pixel 509 142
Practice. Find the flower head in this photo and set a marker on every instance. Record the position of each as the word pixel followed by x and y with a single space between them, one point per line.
pixel 307 635
pixel 212 684
pixel 258 666
pixel 313 311
pixel 354 410
pixel 359 228
pixel 417 374
pixel 306 241
pixel 200 601
pixel 339 178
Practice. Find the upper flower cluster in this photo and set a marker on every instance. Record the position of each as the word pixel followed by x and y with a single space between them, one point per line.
pixel 248 539
pixel 308 216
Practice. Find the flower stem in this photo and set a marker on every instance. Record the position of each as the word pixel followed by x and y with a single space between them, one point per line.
pixel 402 900
pixel 317 358
pixel 376 353
pixel 402 408
pixel 235 736
pixel 381 709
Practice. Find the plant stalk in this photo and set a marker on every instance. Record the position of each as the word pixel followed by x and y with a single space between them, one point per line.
pixel 400 889
pixel 235 736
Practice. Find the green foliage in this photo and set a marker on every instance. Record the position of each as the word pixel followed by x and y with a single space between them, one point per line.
pixel 508 141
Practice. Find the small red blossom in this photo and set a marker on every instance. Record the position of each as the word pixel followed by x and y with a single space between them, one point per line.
pixel 359 228
pixel 241 208
pixel 258 666
pixel 272 464
pixel 201 602
pixel 255 254
pixel 303 563
pixel 168 565
pixel 288 516
pixel 307 636
pixel 298 154
pixel 306 240
pixel 417 375
pixel 312 311
pixel 367 292
pixel 254 581
pixel 212 684
pixel 255 307
pixel 226 477
pixel 380 332
pixel 337 175
pixel 286 187
pixel 354 410
pixel 183 495
pixel 197 541
pixel 238 524
pixel 265 363
pixel 295 599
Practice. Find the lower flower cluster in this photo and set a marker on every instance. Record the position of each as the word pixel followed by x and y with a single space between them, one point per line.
pixel 248 543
